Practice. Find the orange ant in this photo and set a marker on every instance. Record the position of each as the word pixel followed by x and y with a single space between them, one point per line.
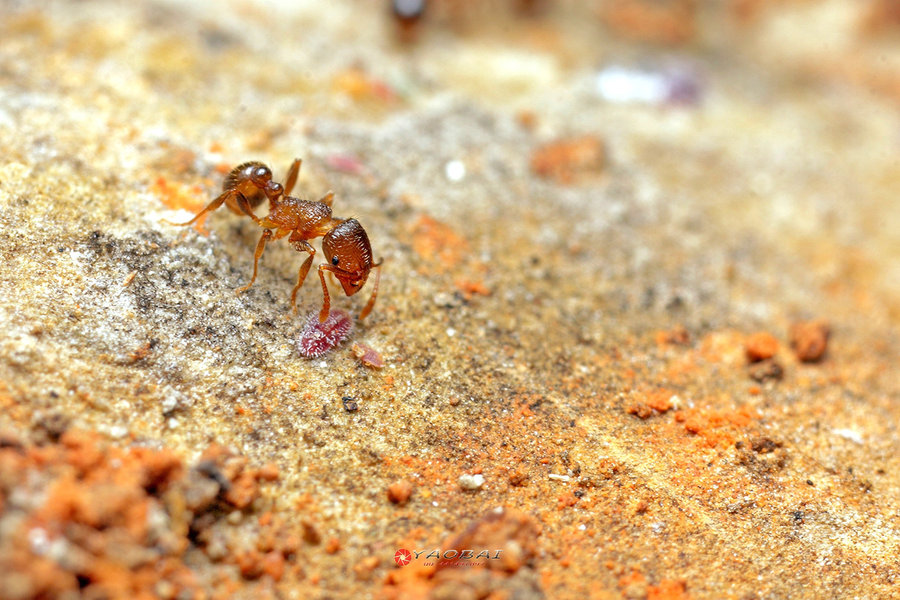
pixel 344 241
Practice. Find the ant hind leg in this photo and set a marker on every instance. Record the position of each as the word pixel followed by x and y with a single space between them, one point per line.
pixel 327 199
pixel 368 307
pixel 291 178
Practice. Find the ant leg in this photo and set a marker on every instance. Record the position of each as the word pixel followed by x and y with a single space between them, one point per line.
pixel 302 246
pixel 244 205
pixel 209 208
pixel 292 176
pixel 326 303
pixel 368 307
pixel 327 199
pixel 260 247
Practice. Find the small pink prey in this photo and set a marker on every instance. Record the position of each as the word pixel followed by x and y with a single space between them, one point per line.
pixel 318 338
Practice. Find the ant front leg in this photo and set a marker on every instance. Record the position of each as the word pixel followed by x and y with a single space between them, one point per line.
pixel 326 302
pixel 260 248
pixel 209 208
pixel 244 205
pixel 368 307
pixel 291 178
pixel 302 246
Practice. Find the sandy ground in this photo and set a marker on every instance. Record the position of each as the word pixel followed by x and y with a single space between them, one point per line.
pixel 616 237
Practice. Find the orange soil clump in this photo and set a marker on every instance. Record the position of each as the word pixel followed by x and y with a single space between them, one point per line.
pixel 717 427
pixel 564 160
pixel 84 516
pixel 181 197
pixel 810 340
pixel 760 346
pixel 652 403
pixel 438 243
pixel 668 22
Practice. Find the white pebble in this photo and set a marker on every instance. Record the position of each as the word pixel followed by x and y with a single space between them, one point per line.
pixel 849 434
pixel 617 84
pixel 471 482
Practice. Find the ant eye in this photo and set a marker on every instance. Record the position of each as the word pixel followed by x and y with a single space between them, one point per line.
pixel 335 260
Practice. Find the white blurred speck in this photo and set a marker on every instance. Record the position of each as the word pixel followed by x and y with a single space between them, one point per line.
pixel 617 84
pixel 455 170
pixel 39 541
pixel 849 434
pixel 451 332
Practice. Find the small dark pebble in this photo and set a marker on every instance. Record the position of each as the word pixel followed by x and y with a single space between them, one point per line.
pixel 350 404
pixel 311 533
pixel 211 470
pixel 765 370
pixel 764 445
pixel 51 426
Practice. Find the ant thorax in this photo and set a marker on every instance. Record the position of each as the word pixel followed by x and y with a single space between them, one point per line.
pixel 300 215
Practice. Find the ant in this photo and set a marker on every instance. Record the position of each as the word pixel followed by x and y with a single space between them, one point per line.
pixel 344 241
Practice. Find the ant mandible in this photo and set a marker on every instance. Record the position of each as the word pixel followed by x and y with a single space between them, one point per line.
pixel 344 241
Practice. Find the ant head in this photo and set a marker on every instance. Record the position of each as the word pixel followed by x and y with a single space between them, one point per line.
pixel 260 175
pixel 348 251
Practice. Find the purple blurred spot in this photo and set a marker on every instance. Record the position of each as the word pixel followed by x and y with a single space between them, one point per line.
pixel 345 163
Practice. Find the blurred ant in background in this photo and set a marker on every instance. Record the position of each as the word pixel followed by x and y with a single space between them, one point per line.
pixel 409 13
